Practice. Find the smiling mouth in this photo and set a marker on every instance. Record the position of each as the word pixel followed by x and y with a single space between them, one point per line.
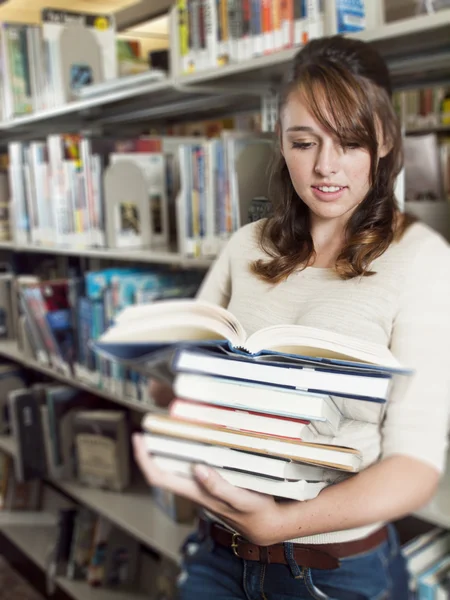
pixel 329 188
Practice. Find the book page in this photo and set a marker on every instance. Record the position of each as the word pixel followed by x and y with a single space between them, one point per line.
pixel 310 341
pixel 174 321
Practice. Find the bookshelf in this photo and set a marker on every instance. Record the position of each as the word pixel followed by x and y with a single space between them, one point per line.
pixel 9 350
pixel 35 540
pixel 416 45
pixel 403 44
pixel 133 510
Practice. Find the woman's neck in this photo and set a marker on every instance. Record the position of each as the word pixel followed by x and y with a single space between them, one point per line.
pixel 329 239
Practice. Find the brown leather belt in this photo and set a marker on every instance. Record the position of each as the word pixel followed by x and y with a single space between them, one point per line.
pixel 312 556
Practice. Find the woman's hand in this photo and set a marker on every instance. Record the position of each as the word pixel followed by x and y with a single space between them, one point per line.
pixel 257 517
pixel 161 393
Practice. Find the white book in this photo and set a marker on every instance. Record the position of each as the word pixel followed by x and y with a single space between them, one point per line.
pixel 20 222
pixel 218 456
pixel 294 490
pixel 242 420
pixel 210 17
pixel 334 457
pixel 320 409
pixel 287 375
pixel 314 19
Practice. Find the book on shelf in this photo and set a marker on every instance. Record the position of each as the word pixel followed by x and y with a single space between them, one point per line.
pixel 208 339
pixel 74 191
pixel 211 34
pixel 22 69
pixel 5 212
pixel 218 179
pixel 433 583
pixel 47 309
pixel 55 320
pixel 17 495
pixel 89 548
pixel 102 448
pixel 424 551
pixel 25 417
pixel 81 544
pixel 12 378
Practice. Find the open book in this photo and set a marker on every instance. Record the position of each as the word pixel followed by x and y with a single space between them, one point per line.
pixel 142 330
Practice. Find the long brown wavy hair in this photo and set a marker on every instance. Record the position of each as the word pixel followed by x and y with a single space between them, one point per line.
pixel 346 86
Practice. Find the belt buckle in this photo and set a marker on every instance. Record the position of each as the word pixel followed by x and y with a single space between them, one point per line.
pixel 234 544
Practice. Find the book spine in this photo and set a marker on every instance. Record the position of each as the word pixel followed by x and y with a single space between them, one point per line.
pixel 183 32
pixel 224 44
pixel 287 23
pixel 277 25
pixel 211 26
pixel 267 26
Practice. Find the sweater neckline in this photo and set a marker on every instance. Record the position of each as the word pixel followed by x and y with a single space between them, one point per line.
pixel 317 273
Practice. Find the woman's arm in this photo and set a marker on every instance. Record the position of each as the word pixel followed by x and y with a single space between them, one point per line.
pixel 388 490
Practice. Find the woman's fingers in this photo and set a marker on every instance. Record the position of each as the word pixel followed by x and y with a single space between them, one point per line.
pixel 177 484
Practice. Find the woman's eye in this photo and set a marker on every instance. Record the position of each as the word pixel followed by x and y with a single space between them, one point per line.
pixel 351 145
pixel 302 145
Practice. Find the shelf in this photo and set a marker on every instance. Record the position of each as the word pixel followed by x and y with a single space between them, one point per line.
pixel 10 350
pixel 417 51
pixel 123 254
pixel 36 542
pixel 258 70
pixel 423 129
pixel 134 510
pixel 136 513
pixel 158 100
pixel 87 104
pixel 416 47
pixel 8 445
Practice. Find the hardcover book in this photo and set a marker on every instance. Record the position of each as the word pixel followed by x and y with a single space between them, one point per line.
pixel 208 339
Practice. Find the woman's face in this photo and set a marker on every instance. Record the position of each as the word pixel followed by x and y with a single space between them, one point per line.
pixel 330 179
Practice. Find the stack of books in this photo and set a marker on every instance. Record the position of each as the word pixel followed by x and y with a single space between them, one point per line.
pixel 256 408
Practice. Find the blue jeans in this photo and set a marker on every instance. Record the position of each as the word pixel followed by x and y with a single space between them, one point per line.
pixel 213 572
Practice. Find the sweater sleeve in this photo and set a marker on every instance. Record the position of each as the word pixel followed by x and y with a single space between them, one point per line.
pixel 417 414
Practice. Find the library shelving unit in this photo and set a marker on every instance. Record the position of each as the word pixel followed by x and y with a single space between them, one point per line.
pixel 418 53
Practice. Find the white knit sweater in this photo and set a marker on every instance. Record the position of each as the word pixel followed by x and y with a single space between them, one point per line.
pixel 405 306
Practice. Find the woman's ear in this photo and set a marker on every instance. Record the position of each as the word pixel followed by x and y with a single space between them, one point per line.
pixel 384 149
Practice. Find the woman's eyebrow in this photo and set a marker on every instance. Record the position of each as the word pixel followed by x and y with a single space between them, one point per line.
pixel 300 128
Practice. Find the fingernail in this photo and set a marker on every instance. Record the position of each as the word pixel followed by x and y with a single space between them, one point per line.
pixel 202 472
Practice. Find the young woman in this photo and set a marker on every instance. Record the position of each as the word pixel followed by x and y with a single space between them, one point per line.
pixel 336 254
